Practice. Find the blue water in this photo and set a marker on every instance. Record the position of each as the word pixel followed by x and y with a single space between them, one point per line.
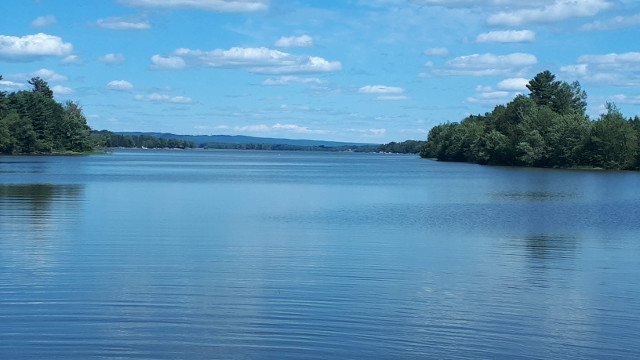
pixel 293 255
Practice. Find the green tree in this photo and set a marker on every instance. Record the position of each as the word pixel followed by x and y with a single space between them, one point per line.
pixel 613 143
pixel 22 132
pixel 542 88
pixel 3 102
pixel 7 142
pixel 532 149
pixel 560 96
pixel 73 129
pixel 42 87
pixel 567 138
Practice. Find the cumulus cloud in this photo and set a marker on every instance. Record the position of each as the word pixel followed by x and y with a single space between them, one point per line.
pixel 380 89
pixel 44 21
pixel 208 5
pixel 159 62
pixel 625 99
pixel 513 84
pixel 558 11
pixel 257 60
pixel 162 98
pixel 485 65
pixel 295 41
pixel 119 23
pixel 611 69
pixel 252 128
pixel 112 59
pixel 49 75
pixel 507 36
pixel 618 61
pixel 296 129
pixel 439 52
pixel 71 60
pixel 44 74
pixel 6 85
pixel 618 22
pixel 577 70
pixel 62 90
pixel 288 80
pixel 119 85
pixel 491 97
pixel 32 47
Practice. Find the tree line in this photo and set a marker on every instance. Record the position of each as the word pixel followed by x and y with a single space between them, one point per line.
pixel 33 122
pixel 109 139
pixel 547 128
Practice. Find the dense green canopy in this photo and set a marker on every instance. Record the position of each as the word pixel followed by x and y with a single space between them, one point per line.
pixel 548 128
pixel 32 121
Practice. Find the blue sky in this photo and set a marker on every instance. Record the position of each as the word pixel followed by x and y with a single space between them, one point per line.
pixel 366 71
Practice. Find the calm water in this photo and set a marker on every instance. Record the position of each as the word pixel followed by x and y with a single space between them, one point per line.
pixel 266 255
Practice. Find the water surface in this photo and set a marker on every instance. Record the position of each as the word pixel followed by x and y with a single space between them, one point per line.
pixel 291 255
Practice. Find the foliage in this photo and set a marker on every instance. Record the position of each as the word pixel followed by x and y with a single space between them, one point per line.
pixel 548 128
pixel 405 147
pixel 112 140
pixel 33 122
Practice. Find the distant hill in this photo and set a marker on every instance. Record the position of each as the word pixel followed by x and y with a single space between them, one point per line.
pixel 240 139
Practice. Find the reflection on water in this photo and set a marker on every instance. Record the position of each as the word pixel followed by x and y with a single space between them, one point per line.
pixel 544 248
pixel 31 205
pixel 266 255
pixel 35 220
pixel 535 195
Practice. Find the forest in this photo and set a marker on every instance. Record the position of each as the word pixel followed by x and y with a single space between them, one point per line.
pixel 32 122
pixel 547 128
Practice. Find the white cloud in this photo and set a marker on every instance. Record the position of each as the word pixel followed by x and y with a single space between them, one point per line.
pixel 380 89
pixel 440 52
pixel 296 129
pixel 119 23
pixel 257 60
pixel 32 47
pixel 61 90
pixel 44 21
pixel 625 99
pixel 209 5
pixel 612 60
pixel 44 74
pixel 492 97
pixel 119 85
pixel 295 41
pixel 485 65
pixel 155 97
pixel 49 75
pixel 513 84
pixel 558 11
pixel 252 128
pixel 610 69
pixel 112 59
pixel 71 59
pixel 618 22
pixel 288 79
pixel 167 62
pixel 507 36
pixel 7 85
pixel 576 70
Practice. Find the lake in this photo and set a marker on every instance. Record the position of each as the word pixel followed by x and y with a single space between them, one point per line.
pixel 158 254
